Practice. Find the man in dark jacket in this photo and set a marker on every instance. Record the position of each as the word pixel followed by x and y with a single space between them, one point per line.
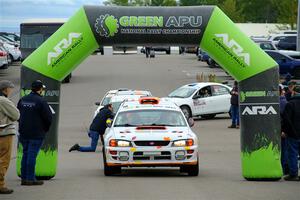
pixel 34 123
pixel 234 109
pixel 291 128
pixel 97 128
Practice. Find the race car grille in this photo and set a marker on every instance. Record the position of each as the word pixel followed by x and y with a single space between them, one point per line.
pixel 163 155
pixel 151 143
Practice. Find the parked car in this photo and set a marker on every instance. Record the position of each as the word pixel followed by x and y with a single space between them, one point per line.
pixel 286 63
pixel 265 44
pixel 205 99
pixel 275 38
pixel 14 52
pixel 203 56
pixel 150 132
pixel 12 36
pixel 288 43
pixel 9 40
pixel 3 58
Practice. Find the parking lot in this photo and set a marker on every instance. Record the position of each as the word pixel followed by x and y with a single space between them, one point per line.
pixel 80 175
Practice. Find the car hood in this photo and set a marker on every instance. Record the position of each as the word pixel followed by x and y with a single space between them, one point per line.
pixel 178 101
pixel 168 134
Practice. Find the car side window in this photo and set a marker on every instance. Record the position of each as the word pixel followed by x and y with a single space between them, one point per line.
pixel 266 46
pixel 204 92
pixel 276 56
pixel 220 90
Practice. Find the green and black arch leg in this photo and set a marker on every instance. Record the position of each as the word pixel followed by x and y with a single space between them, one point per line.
pixel 257 75
pixel 47 158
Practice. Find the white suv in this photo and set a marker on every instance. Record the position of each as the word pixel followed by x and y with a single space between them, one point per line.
pixel 150 132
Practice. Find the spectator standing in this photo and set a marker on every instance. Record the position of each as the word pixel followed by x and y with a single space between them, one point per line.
pixel 34 123
pixel 234 109
pixel 291 129
pixel 9 114
pixel 284 152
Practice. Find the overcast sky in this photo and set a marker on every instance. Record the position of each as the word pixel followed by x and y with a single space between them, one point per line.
pixel 13 12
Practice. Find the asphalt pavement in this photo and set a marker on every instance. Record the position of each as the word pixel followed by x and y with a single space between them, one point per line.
pixel 80 175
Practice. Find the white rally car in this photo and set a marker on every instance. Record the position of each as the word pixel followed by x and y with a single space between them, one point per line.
pixel 116 97
pixel 150 132
pixel 205 99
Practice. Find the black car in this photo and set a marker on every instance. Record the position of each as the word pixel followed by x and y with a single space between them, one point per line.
pixel 288 43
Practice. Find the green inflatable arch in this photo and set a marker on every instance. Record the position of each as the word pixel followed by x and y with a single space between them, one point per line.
pixel 206 26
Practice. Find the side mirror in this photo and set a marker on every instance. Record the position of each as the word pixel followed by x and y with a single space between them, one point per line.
pixel 16 45
pixel 191 122
pixel 97 103
pixel 109 122
pixel 196 97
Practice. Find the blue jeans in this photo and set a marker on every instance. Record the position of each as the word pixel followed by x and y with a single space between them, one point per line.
pixel 31 149
pixel 293 152
pixel 234 110
pixel 94 142
pixel 284 155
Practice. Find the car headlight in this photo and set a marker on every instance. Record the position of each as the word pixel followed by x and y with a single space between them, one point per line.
pixel 183 143
pixel 122 143
pixel 119 143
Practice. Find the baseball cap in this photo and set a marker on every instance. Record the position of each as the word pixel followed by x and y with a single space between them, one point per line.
pixel 37 85
pixel 6 84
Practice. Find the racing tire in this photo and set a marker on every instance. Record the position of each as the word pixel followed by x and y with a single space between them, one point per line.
pixel 209 116
pixel 186 111
pixel 191 170
pixel 10 59
pixel 109 171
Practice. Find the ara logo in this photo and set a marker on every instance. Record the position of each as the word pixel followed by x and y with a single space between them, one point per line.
pixel 259 110
pixel 235 47
pixel 106 25
pixel 62 45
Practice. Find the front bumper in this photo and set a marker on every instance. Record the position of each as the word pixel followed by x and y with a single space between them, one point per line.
pixel 151 156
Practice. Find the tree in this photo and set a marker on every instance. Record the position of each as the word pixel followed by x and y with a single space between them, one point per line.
pixel 163 3
pixel 287 11
pixel 199 2
pixel 229 7
pixel 117 2
pixel 141 2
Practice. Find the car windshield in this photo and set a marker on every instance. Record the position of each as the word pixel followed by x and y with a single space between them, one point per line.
pixel 105 101
pixel 149 118
pixel 116 105
pixel 182 92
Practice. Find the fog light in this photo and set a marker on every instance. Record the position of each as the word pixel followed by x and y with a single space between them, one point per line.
pixel 180 155
pixel 190 151
pixel 123 156
pixel 113 152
